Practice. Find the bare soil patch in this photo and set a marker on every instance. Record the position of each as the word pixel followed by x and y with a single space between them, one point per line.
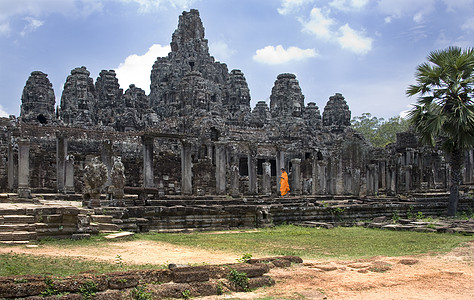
pixel 446 276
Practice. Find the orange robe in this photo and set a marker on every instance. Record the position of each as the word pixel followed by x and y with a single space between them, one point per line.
pixel 284 187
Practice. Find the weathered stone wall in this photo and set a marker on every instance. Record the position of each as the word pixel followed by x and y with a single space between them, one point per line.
pixel 4 150
pixel 158 283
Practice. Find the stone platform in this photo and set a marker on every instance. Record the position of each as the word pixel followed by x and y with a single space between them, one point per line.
pixel 45 216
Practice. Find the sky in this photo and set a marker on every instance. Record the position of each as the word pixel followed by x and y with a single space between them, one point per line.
pixel 367 50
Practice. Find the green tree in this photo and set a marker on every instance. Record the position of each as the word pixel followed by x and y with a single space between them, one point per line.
pixel 444 112
pixel 377 131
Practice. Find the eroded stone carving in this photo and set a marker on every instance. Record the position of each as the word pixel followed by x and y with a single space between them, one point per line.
pixel 95 176
pixel 336 112
pixel 117 179
pixel 78 99
pixel 37 99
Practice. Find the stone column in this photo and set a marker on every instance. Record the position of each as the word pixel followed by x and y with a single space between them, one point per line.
pixel 356 182
pixel 12 167
pixel 221 179
pixel 252 170
pixel 106 157
pixel 296 165
pixel 235 178
pixel 319 178
pixel 376 179
pixel 382 183
pixel 186 168
pixel 314 176
pixel 267 178
pixel 369 180
pixel 148 177
pixel 24 190
pixel 331 173
pixel 348 176
pixel 61 153
pixel 338 176
pixel 408 178
pixel 69 182
pixel 391 180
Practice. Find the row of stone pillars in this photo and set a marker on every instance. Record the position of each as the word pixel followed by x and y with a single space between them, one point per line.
pixel 65 168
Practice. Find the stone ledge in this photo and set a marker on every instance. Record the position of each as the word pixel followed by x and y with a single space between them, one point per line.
pixel 199 281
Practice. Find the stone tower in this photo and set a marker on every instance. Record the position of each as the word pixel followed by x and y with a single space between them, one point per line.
pixel 312 115
pixel 109 96
pixel 189 62
pixel 336 112
pixel 132 114
pixel 37 99
pixel 78 99
pixel 237 98
pixel 286 98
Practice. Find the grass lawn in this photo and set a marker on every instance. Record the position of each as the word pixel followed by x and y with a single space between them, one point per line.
pixel 309 243
pixel 336 243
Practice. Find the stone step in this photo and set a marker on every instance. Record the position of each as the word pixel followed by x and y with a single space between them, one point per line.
pixel 17 227
pixel 17 236
pixel 18 219
pixel 107 227
pixel 102 218
pixel 12 211
pixel 14 242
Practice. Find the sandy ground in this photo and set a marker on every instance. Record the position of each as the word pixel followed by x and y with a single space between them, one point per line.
pixel 446 276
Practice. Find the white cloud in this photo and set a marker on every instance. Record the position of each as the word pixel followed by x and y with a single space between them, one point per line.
pixel 33 10
pixel 388 20
pixel 136 69
pixel 468 25
pixel 418 17
pixel 5 29
pixel 319 23
pixel 347 5
pixel 452 5
pixel 36 8
pixel 146 6
pixel 221 51
pixel 354 40
pixel 289 6
pixel 3 113
pixel 32 25
pixel 406 8
pixel 278 55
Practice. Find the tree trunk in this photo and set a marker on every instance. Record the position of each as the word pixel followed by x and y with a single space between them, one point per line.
pixel 457 160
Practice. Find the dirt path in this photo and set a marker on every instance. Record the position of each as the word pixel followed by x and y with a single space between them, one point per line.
pixel 447 276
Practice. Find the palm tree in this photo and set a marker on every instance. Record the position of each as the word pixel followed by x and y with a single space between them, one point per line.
pixel 444 112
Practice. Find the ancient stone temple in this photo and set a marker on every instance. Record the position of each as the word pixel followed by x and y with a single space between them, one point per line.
pixel 196 134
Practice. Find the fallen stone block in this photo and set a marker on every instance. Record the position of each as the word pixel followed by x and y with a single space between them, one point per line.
pixel 121 234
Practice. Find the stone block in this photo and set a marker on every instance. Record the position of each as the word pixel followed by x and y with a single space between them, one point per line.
pixel 123 281
pixel 108 227
pixel 181 276
pixel 14 290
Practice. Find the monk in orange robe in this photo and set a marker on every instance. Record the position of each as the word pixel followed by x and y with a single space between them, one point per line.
pixel 284 186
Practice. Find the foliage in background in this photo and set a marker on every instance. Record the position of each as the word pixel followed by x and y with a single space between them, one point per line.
pixel 444 112
pixel 378 131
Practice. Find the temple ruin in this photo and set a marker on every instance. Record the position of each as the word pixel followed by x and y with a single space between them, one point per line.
pixel 194 144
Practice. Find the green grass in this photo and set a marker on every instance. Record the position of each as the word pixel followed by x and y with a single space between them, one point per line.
pixel 308 243
pixel 337 243
pixel 25 264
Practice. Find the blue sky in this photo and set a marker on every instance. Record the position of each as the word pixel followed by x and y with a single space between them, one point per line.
pixel 365 49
